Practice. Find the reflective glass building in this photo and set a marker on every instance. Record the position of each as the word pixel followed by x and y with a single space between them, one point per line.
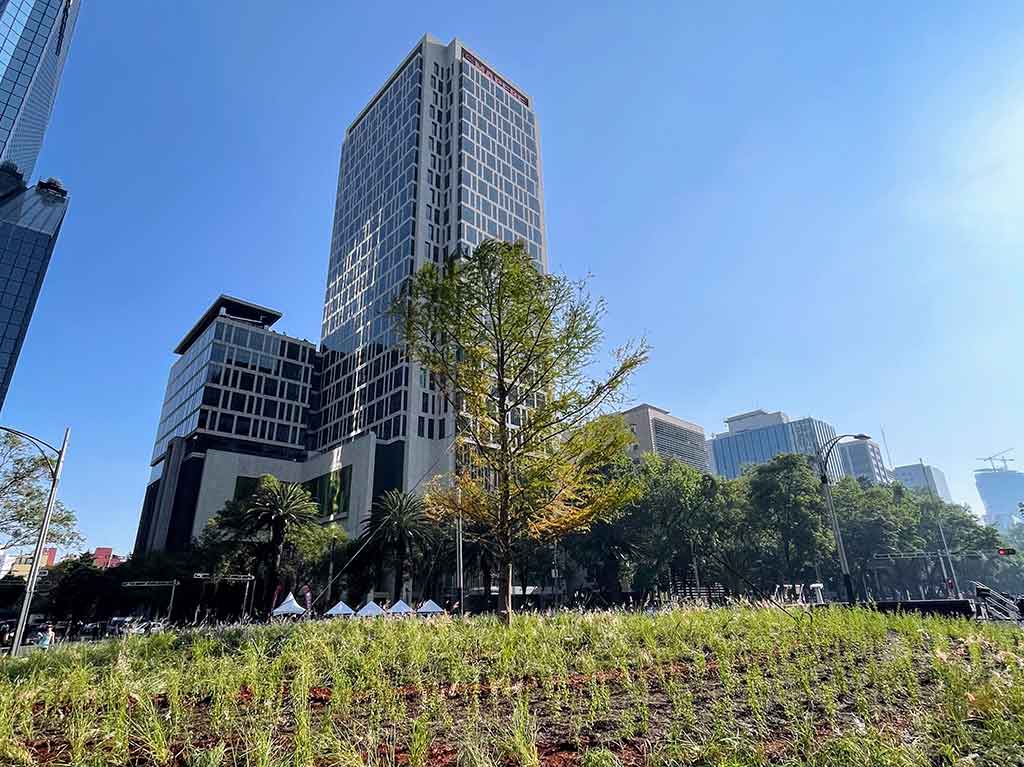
pixel 30 220
pixel 757 437
pixel 924 477
pixel 35 36
pixel 1002 492
pixel 444 156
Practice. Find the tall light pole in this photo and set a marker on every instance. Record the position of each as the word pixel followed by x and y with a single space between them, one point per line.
pixel 51 501
pixel 822 459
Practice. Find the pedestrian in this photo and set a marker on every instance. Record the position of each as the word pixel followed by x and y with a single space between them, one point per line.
pixel 45 637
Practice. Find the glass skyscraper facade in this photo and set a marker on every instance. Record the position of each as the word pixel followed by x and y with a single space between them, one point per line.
pixel 35 36
pixel 743 447
pixel 924 477
pixel 30 220
pixel 1002 492
pixel 445 155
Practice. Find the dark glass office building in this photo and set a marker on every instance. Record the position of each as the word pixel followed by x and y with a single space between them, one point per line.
pixel 35 36
pixel 30 219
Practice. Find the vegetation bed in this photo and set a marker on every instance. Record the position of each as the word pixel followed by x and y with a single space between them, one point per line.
pixel 730 686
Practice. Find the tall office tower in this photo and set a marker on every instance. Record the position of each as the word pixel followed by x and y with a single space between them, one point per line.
pixel 444 156
pixel 924 477
pixel 35 36
pixel 658 432
pixel 757 437
pixel 30 219
pixel 862 458
pixel 1002 492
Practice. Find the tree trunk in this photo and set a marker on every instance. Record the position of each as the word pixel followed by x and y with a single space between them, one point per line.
pixel 277 549
pixel 485 572
pixel 399 567
pixel 524 578
pixel 505 589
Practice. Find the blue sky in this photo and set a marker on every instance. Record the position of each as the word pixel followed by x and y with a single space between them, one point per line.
pixel 808 207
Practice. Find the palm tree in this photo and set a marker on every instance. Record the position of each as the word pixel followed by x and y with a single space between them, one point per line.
pixel 274 508
pixel 398 522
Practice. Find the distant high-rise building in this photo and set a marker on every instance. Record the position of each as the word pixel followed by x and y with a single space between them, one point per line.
pixel 444 156
pixel 658 432
pixel 924 477
pixel 1002 492
pixel 862 458
pixel 35 36
pixel 758 436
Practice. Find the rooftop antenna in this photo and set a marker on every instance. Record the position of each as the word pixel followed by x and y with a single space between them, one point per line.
pixel 885 442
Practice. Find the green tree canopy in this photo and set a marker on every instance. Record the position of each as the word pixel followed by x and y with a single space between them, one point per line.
pixel 513 351
pixel 24 487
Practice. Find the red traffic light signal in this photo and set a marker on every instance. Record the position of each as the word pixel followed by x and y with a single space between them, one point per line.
pixel 1006 552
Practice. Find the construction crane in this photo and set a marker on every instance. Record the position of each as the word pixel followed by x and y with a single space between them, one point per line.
pixel 993 458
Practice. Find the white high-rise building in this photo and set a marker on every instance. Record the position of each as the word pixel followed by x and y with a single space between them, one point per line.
pixel 445 155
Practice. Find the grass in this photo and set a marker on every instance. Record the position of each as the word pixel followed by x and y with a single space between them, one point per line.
pixel 734 686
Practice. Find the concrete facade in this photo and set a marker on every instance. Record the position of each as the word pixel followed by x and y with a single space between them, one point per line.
pixel 658 432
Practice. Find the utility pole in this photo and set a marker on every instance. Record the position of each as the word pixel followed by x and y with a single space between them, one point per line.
pixel 459 575
pixel 942 533
pixel 33 574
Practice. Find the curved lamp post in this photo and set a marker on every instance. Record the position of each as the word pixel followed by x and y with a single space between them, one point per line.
pixel 822 455
pixel 33 573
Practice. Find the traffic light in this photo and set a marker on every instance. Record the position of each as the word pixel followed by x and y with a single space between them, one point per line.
pixel 1006 552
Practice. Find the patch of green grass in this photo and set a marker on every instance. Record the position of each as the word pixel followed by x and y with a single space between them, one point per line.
pixel 732 686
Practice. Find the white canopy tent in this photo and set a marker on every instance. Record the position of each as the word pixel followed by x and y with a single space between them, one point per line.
pixel 430 607
pixel 340 610
pixel 400 608
pixel 289 607
pixel 370 610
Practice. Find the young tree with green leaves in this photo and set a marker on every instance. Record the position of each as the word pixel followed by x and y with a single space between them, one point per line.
pixel 512 349
pixel 24 487
pixel 785 495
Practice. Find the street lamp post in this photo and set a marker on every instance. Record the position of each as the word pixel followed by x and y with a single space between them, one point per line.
pixel 51 501
pixel 823 467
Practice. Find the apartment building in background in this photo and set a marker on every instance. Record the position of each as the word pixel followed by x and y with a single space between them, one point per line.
pixel 758 436
pixel 658 432
pixel 35 36
pixel 919 476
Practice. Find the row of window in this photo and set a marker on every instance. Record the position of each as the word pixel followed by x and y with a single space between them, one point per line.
pixel 253 428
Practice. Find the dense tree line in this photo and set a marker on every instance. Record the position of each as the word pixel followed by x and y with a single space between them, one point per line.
pixel 770 527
